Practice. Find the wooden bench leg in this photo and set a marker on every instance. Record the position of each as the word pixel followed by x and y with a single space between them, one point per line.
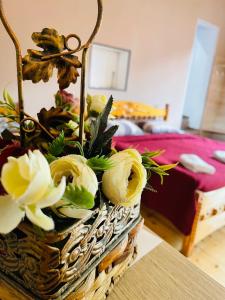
pixel 189 241
pixel 187 246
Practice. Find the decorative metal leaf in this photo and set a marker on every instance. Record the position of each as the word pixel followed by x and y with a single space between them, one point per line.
pixel 36 69
pixel 37 66
pixel 67 70
pixel 53 117
pixel 49 40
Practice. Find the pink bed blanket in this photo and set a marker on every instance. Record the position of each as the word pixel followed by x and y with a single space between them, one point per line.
pixel 176 198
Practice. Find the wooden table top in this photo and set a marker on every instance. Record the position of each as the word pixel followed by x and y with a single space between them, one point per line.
pixel 166 274
pixel 160 275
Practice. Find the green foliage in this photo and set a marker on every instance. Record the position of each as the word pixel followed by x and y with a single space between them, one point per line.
pixel 99 163
pixel 151 166
pixel 78 197
pixel 50 158
pixel 153 154
pixel 57 146
pixel 58 100
pixel 77 145
pixel 101 138
pixel 72 125
pixel 8 99
pixel 9 108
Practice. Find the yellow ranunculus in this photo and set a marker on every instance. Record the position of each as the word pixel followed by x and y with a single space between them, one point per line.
pixel 29 185
pixel 124 182
pixel 96 103
pixel 76 170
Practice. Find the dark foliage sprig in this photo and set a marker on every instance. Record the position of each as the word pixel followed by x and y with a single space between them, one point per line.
pixel 101 138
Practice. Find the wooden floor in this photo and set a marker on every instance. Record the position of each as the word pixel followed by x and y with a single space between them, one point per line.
pixel 208 255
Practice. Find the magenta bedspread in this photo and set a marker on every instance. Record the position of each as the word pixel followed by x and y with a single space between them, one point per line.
pixel 175 199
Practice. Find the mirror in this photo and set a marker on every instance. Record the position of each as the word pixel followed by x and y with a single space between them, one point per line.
pixel 109 67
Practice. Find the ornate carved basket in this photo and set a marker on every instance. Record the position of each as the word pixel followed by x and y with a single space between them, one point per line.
pixel 83 257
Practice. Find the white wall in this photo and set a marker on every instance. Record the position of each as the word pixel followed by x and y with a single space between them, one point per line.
pixel 159 34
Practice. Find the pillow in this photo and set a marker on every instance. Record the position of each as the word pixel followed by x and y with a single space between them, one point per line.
pixel 125 127
pixel 159 126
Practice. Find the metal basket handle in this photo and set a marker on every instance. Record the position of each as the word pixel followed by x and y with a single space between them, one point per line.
pixel 84 48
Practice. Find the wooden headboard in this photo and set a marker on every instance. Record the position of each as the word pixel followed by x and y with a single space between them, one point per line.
pixel 138 111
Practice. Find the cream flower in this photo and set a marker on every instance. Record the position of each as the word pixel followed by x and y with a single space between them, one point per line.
pixel 124 182
pixel 28 183
pixel 74 126
pixel 76 170
pixel 96 103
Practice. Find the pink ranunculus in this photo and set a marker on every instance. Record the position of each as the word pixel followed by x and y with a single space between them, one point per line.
pixel 69 99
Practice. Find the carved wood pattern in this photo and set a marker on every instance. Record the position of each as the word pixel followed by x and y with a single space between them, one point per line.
pixel 49 264
pixel 212 212
pixel 100 281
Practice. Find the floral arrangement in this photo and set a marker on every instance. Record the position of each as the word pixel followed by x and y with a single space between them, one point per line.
pixel 69 202
pixel 54 177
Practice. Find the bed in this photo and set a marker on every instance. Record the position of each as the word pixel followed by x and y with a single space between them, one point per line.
pixel 194 203
pixel 137 111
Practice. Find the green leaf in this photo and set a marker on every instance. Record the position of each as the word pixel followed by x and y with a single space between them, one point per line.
pixel 148 162
pixel 50 158
pixel 168 167
pixel 151 166
pixel 72 125
pixel 57 146
pixel 58 100
pixel 104 140
pixel 103 118
pixel 8 99
pixel 99 163
pixel 77 145
pixel 11 117
pixel 75 118
pixel 78 197
pixel 151 154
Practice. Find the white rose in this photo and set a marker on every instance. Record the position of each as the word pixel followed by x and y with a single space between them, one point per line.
pixel 29 185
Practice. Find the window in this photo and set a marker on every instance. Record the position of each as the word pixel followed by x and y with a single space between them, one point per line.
pixel 108 67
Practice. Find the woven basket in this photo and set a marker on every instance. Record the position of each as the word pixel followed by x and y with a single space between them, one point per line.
pixel 74 260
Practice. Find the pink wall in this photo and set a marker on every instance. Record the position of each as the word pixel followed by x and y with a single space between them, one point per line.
pixel 159 34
